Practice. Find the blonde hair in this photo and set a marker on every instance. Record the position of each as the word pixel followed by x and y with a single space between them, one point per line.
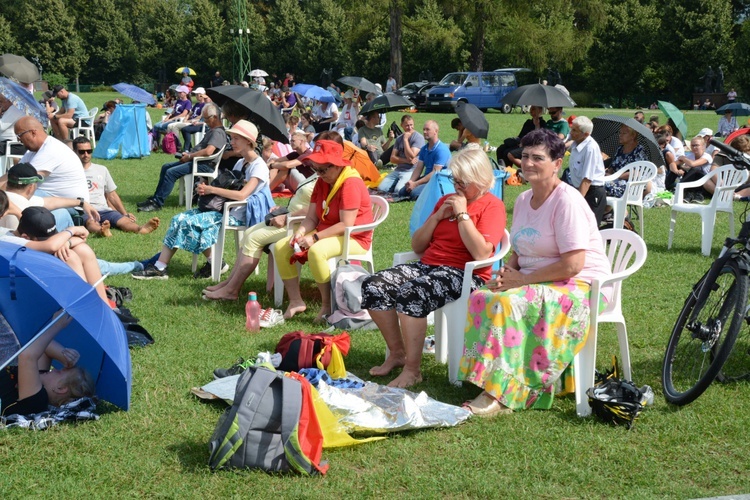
pixel 472 166
pixel 80 384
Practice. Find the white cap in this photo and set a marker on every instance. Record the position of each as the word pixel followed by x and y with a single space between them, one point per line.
pixel 199 90
pixel 706 131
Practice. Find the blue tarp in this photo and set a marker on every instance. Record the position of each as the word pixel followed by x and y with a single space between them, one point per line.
pixel 126 129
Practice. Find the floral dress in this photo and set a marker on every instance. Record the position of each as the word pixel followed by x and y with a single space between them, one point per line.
pixel 616 188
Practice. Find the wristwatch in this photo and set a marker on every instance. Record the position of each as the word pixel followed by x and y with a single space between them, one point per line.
pixel 462 216
pixel 315 237
pixel 81 202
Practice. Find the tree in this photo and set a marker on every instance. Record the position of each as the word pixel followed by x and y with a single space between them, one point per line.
pixel 45 29
pixel 7 40
pixel 286 22
pixel 617 58
pixel 395 36
pixel 324 40
pixel 205 39
pixel 111 51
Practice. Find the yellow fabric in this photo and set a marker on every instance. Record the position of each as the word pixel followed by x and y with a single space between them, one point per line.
pixel 374 184
pixel 345 174
pixel 334 434
pixel 336 368
pixel 317 257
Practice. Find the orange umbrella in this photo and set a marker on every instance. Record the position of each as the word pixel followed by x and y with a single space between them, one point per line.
pixel 361 162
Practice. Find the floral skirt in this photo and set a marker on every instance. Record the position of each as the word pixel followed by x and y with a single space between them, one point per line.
pixel 518 343
pixel 195 231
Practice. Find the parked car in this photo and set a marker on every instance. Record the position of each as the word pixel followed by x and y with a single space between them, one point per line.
pixel 416 92
pixel 601 105
pixel 484 89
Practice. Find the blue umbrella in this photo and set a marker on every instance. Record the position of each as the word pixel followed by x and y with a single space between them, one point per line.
pixel 313 92
pixel 737 109
pixel 23 100
pixel 134 92
pixel 33 285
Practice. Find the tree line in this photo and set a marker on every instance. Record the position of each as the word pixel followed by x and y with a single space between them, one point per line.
pixel 623 51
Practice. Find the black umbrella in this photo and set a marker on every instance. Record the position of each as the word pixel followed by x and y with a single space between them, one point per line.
pixel 360 83
pixel 537 94
pixel 386 102
pixel 737 109
pixel 607 134
pixel 260 109
pixel 473 119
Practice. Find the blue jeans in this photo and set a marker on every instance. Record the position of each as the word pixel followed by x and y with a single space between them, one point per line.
pixel 414 194
pixel 119 267
pixel 170 174
pixel 395 181
pixel 187 135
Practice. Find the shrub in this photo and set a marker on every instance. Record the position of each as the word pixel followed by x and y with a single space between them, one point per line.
pixel 55 79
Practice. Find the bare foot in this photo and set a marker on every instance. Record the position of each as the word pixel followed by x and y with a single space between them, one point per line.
pixel 294 309
pixel 150 226
pixel 320 319
pixel 105 229
pixel 217 286
pixel 393 361
pixel 218 295
pixel 406 379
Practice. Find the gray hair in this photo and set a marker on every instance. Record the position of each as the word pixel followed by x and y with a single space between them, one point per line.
pixel 472 165
pixel 211 109
pixel 584 123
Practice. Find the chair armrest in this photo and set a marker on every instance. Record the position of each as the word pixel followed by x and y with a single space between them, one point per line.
pixel 228 206
pixel 616 175
pixel 404 257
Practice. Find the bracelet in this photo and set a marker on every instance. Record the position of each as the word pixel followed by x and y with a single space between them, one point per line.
pixel 69 232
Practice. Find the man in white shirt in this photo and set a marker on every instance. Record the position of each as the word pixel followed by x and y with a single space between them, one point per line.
pixel 586 166
pixel 9 115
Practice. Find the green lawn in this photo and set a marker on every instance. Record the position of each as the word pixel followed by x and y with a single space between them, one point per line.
pixel 159 448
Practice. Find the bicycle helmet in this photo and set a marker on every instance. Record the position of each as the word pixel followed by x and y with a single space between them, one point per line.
pixel 617 401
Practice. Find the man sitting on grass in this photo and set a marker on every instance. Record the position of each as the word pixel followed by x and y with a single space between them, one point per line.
pixel 104 198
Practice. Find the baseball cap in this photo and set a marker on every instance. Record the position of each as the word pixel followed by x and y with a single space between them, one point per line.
pixel 199 90
pixel 182 88
pixel 56 89
pixel 330 152
pixel 24 174
pixel 705 131
pixel 37 222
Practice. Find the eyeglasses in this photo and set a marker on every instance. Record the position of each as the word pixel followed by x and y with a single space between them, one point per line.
pixel 321 171
pixel 85 151
pixel 461 184
pixel 18 136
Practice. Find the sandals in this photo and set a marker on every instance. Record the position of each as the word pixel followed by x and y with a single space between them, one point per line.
pixel 271 317
pixel 485 405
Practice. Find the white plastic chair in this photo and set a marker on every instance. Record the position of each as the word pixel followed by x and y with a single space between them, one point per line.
pixel 86 130
pixel 627 253
pixel 217 250
pixel 641 173
pixel 198 136
pixel 6 159
pixel 188 181
pixel 450 320
pixel 728 179
pixel 380 210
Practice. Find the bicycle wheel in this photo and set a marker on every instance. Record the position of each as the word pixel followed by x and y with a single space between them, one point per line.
pixel 704 333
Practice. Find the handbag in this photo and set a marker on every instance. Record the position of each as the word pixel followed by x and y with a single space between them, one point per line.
pixel 228 179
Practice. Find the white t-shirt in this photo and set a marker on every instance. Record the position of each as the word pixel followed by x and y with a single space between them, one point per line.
pixel 706 168
pixel 66 178
pixel 11 221
pixel 258 169
pixel 7 236
pixel 562 224
pixel 99 182
pixel 678 146
pixel 8 120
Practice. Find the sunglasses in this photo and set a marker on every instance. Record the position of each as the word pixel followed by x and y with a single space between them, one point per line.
pixel 18 136
pixel 85 151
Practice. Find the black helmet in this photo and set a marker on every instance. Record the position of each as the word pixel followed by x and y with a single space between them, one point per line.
pixel 617 401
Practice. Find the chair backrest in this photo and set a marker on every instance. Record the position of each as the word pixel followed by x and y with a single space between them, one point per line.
pixel 93 112
pixel 627 253
pixel 380 208
pixel 727 179
pixel 641 172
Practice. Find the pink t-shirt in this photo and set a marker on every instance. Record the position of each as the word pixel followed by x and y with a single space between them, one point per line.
pixel 562 224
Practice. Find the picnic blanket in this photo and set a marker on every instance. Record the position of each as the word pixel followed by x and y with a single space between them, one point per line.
pixel 75 411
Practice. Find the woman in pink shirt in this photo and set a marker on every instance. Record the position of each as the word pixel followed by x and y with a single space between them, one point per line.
pixel 524 329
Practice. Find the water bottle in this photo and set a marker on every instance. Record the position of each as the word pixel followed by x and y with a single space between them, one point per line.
pixel 252 313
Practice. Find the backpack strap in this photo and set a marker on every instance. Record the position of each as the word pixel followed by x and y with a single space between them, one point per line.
pixel 300 429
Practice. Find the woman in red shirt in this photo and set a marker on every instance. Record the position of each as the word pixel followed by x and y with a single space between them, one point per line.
pixel 463 227
pixel 339 200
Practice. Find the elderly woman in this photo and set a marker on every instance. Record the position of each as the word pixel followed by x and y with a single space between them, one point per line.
pixel 727 124
pixel 197 231
pixel 629 151
pixel 525 328
pixel 464 226
pixel 339 200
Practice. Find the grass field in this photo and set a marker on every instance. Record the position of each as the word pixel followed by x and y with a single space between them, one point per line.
pixel 159 448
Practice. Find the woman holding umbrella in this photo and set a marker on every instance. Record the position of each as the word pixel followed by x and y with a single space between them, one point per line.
pixel 629 151
pixel 727 124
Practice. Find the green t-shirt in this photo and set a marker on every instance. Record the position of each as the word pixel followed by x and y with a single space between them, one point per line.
pixel 560 127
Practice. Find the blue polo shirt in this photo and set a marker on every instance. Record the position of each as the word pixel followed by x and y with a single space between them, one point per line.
pixel 76 103
pixel 438 155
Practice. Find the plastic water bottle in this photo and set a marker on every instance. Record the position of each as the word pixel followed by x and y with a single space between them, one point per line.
pixel 252 313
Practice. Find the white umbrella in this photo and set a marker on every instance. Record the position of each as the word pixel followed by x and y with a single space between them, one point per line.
pixel 257 72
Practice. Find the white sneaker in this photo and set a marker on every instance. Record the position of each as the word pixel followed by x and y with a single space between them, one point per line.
pixel 271 317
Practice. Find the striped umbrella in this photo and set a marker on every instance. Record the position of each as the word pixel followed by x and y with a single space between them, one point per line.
pixel 607 134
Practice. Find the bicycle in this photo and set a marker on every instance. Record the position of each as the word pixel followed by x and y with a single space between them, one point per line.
pixel 702 345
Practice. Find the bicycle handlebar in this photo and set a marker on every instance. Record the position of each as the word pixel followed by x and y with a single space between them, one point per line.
pixel 739 159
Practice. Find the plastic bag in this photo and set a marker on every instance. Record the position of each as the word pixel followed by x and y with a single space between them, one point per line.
pixel 127 129
pixel 438 186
